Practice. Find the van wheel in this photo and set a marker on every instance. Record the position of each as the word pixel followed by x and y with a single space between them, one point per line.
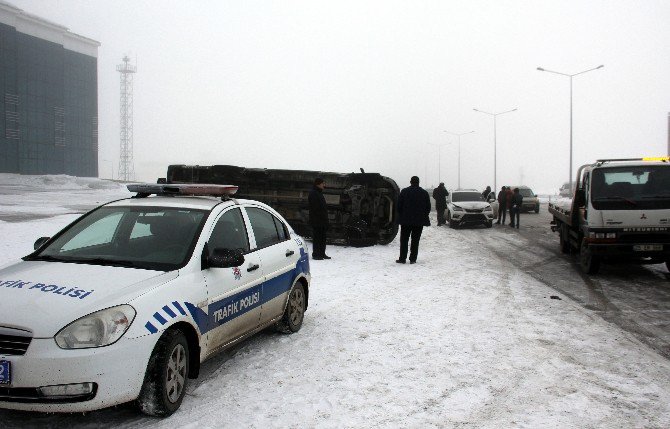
pixel 167 373
pixel 295 311
pixel 590 263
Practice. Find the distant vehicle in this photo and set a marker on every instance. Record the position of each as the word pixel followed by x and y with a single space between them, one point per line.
pixel 467 207
pixel 361 206
pixel 565 191
pixel 620 212
pixel 531 203
pixel 125 303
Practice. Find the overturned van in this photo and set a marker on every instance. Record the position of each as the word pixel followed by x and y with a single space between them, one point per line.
pixel 361 206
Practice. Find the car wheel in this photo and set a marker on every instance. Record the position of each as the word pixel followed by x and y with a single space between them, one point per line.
pixel 590 263
pixel 667 264
pixel 564 239
pixel 167 373
pixel 489 224
pixel 537 208
pixel 295 310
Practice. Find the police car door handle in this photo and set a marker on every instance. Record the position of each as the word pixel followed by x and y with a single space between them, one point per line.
pixel 289 253
pixel 253 267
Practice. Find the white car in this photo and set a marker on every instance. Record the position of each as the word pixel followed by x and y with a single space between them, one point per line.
pixel 126 302
pixel 467 207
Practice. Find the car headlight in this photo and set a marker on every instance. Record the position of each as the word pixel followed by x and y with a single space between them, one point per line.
pixel 457 209
pixel 98 329
pixel 488 209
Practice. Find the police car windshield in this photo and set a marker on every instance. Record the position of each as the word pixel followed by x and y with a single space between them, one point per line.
pixel 467 196
pixel 155 238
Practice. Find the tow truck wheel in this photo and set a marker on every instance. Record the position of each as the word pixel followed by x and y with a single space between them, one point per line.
pixel 590 263
pixel 295 311
pixel 165 381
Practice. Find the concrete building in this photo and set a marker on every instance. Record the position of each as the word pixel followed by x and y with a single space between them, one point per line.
pixel 48 97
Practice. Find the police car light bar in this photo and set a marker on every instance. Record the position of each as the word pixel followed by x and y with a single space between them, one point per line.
pixel 146 189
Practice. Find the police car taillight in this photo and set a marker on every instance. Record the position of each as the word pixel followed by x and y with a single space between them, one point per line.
pixel 146 189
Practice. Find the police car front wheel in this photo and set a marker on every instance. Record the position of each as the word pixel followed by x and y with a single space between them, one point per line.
pixel 165 381
pixel 295 310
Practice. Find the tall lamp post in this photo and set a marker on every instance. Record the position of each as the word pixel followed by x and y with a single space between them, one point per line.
pixel 459 152
pixel 495 152
pixel 570 76
pixel 439 165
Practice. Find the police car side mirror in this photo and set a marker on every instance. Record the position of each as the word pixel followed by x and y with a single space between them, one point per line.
pixel 225 258
pixel 40 242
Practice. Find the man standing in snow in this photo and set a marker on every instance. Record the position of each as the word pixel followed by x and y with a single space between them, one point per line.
pixel 515 211
pixel 485 193
pixel 318 218
pixel 502 205
pixel 440 194
pixel 413 208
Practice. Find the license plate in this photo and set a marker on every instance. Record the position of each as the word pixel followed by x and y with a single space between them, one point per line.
pixel 5 372
pixel 647 247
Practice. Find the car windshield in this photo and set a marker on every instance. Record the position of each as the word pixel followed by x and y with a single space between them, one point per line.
pixel 620 188
pixel 466 196
pixel 155 238
pixel 526 192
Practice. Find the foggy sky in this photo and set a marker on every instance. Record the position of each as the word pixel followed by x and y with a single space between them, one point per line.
pixel 339 85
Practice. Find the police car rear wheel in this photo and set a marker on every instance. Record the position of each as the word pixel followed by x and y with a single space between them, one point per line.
pixel 167 372
pixel 295 311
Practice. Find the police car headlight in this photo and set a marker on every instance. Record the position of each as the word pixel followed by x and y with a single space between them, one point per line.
pixel 98 329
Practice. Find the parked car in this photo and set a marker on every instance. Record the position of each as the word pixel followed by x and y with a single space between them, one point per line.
pixel 531 203
pixel 467 207
pixel 125 303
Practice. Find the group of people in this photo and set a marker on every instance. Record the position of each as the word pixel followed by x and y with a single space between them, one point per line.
pixel 509 201
pixel 413 211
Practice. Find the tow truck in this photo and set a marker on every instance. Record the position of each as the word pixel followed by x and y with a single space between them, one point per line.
pixel 620 212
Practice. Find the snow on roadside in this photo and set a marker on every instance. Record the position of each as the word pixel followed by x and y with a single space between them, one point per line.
pixel 461 339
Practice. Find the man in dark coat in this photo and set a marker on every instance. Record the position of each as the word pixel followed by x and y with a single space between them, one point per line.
pixel 413 208
pixel 502 205
pixel 440 194
pixel 515 210
pixel 509 194
pixel 318 219
pixel 485 193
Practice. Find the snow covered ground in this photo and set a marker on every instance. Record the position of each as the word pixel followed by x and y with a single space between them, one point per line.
pixel 461 339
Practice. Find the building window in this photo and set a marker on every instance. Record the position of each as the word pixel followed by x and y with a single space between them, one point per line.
pixel 12 127
pixel 59 126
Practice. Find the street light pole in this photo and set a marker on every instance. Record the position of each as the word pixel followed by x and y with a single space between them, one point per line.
pixel 495 132
pixel 570 76
pixel 439 165
pixel 459 152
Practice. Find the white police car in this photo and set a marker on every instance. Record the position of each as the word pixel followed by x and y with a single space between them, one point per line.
pixel 127 301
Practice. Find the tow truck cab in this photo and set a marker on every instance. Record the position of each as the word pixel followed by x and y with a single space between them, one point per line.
pixel 620 211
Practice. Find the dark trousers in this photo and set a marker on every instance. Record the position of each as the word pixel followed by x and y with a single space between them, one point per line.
pixel 440 216
pixel 405 232
pixel 319 240
pixel 515 215
pixel 502 213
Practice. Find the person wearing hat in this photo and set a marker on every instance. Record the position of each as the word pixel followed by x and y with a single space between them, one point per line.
pixel 413 210
pixel 318 219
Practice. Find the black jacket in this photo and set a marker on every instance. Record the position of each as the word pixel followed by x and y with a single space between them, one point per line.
pixel 517 200
pixel 414 206
pixel 318 211
pixel 440 194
